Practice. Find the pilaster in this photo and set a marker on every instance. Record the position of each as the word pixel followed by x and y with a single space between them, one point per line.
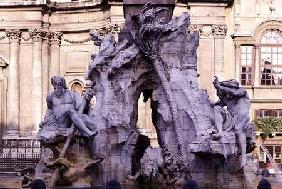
pixel 55 41
pixel 36 36
pixel 13 101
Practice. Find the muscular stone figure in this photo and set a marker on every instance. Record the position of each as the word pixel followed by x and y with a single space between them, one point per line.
pixel 65 104
pixel 238 105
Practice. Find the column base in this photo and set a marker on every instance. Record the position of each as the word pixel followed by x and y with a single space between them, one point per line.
pixel 28 134
pixel 11 134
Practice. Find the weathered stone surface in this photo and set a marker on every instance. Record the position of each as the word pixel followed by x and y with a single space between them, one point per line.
pixel 161 62
pixel 67 117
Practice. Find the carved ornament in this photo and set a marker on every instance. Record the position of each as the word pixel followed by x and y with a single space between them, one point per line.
pixel 3 63
pixel 14 35
pixel 209 30
pixel 55 37
pixel 37 34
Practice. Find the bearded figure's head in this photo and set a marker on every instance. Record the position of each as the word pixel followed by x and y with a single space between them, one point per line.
pixel 59 85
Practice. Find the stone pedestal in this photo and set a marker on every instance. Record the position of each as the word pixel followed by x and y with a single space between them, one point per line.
pixel 11 182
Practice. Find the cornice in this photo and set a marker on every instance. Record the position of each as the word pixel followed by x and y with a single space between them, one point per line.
pixel 61 6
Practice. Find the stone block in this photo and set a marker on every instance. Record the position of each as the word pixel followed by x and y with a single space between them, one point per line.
pixel 11 182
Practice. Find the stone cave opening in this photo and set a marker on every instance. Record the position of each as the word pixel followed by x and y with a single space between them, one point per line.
pixel 146 121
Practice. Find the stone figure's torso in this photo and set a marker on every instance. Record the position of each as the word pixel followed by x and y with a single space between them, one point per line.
pixel 238 106
pixel 61 107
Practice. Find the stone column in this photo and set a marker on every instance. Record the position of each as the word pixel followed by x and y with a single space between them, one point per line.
pixel 3 65
pixel 219 32
pixel 45 70
pixel 36 36
pixel 13 98
pixel 55 41
pixel 206 62
pixel 237 62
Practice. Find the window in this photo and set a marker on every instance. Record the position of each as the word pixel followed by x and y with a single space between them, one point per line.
pixel 268 113
pixel 274 151
pixel 246 65
pixel 271 59
pixel 77 87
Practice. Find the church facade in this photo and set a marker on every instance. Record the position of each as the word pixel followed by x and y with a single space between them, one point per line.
pixel 239 39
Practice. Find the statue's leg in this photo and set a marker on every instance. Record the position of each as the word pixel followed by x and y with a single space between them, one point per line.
pixel 218 119
pixel 79 124
pixel 242 144
pixel 241 136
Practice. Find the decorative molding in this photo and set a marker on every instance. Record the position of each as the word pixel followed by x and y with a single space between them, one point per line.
pixel 103 31
pixel 76 41
pixel 116 28
pixel 263 27
pixel 37 34
pixel 209 30
pixel 55 37
pixel 14 35
pixel 219 30
pixel 2 36
pixel 3 63
pixel 25 36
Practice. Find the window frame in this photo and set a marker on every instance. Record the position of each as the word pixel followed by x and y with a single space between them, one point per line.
pixel 272 113
pixel 252 65
pixel 261 66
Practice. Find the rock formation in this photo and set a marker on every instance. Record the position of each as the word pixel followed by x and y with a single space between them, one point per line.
pixel 161 63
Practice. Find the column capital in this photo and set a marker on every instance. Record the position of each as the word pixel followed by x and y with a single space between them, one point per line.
pixel 14 35
pixel 55 37
pixel 209 30
pixel 219 30
pixel 37 35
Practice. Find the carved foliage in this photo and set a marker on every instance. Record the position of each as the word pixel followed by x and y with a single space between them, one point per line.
pixel 209 30
pixel 14 35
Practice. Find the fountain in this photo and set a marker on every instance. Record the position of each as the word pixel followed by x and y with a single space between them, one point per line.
pixel 197 138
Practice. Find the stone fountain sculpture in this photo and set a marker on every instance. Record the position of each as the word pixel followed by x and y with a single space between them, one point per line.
pixel 67 117
pixel 197 138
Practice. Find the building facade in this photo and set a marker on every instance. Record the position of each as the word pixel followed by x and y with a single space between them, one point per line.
pixel 239 39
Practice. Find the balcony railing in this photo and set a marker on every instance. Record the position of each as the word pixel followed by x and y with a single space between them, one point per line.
pixel 19 154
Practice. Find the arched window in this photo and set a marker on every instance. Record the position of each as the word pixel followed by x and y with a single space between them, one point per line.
pixel 271 59
pixel 77 87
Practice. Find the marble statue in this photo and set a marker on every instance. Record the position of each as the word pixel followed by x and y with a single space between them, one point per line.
pixel 197 138
pixel 238 105
pixel 65 118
